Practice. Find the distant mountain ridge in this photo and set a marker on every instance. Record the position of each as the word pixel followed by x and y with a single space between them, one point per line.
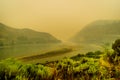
pixel 101 31
pixel 10 36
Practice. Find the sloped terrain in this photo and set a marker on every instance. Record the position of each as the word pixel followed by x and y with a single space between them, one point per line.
pixel 11 36
pixel 99 32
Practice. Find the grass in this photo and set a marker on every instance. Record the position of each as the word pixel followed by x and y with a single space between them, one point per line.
pixel 98 65
pixel 86 68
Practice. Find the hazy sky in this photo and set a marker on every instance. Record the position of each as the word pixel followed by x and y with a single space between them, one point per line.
pixel 62 18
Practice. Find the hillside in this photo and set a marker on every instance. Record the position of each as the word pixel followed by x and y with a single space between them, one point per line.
pixel 11 36
pixel 99 32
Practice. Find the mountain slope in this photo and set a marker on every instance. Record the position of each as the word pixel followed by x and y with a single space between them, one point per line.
pixel 10 36
pixel 101 31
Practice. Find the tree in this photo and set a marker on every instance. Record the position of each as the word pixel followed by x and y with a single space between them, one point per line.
pixel 1 43
pixel 116 47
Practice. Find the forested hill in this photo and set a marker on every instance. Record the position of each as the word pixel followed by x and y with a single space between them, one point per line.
pixel 100 31
pixel 10 36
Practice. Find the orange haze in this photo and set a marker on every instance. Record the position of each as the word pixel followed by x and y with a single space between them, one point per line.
pixel 61 18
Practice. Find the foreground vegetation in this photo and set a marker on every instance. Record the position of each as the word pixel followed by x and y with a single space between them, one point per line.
pixel 97 65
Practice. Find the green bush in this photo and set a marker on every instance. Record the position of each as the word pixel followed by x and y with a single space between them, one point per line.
pixel 79 67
